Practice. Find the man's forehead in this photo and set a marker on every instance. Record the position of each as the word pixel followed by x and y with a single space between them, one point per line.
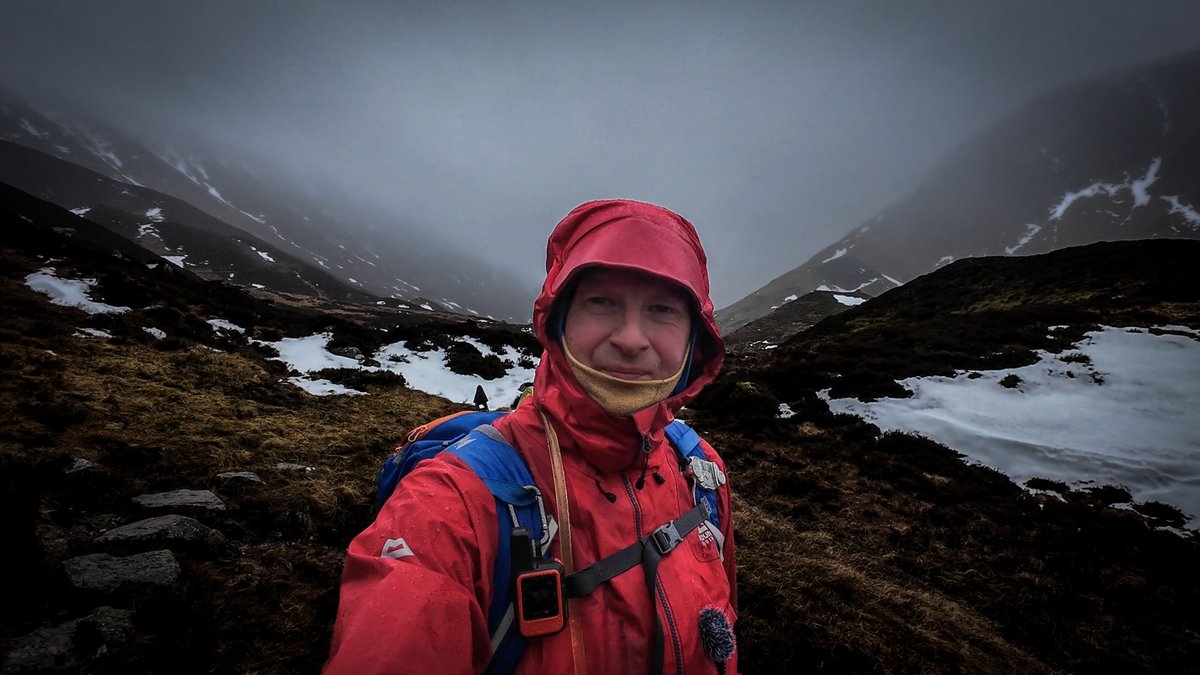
pixel 623 277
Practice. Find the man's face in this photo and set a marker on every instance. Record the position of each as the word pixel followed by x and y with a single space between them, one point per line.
pixel 629 325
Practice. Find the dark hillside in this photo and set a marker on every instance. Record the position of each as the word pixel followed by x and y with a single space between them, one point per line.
pixel 886 552
pixel 984 313
pixel 856 553
pixel 794 316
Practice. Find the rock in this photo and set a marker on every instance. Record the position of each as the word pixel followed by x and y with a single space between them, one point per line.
pixel 240 476
pixel 201 498
pixel 80 464
pixel 67 646
pixel 348 352
pixel 293 467
pixel 164 529
pixel 105 573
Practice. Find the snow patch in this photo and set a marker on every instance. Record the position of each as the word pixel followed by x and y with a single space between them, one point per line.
pixel 82 210
pixel 318 387
pixel 837 254
pixel 223 325
pixel 1188 211
pixel 69 292
pixel 1140 196
pixel 1138 187
pixel 176 260
pixel 427 372
pixel 785 301
pixel 849 300
pixel 155 215
pixel 33 131
pixel 1031 231
pixel 308 354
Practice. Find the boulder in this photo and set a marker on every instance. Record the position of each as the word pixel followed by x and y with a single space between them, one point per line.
pixel 177 498
pixel 105 573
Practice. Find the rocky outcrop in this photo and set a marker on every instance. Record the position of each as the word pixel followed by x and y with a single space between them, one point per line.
pixel 97 639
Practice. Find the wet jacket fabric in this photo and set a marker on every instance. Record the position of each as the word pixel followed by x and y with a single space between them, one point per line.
pixel 425 609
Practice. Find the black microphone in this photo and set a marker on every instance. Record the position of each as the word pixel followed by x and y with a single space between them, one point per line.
pixel 716 637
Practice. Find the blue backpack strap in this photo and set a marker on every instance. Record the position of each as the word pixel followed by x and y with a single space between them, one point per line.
pixel 705 473
pixel 423 443
pixel 507 477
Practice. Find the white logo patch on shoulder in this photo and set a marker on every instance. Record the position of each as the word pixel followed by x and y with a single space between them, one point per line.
pixel 395 548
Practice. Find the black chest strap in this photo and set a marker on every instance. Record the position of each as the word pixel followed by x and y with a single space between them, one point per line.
pixel 648 552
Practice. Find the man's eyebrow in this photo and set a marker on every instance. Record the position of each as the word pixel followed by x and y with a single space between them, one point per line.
pixel 672 296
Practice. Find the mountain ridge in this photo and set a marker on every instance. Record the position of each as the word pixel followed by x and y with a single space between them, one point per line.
pixel 1113 158
pixel 372 251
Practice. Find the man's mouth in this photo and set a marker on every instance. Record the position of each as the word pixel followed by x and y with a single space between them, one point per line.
pixel 622 374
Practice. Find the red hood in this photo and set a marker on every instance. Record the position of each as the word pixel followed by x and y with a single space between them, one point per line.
pixel 638 236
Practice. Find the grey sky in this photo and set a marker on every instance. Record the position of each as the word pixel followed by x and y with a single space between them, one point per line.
pixel 775 127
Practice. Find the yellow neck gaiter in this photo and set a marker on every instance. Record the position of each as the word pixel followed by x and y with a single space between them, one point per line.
pixel 622 397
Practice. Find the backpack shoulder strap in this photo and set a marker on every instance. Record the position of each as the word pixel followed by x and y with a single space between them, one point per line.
pixel 425 442
pixel 497 464
pixel 507 477
pixel 705 475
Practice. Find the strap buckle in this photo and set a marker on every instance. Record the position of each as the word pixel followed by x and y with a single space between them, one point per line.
pixel 666 538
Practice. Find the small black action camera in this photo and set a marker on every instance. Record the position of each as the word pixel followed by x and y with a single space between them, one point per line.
pixel 541 602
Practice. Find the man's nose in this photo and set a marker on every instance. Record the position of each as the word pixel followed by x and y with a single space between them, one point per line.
pixel 630 336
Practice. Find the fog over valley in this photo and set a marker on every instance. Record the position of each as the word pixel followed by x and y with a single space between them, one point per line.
pixel 775 127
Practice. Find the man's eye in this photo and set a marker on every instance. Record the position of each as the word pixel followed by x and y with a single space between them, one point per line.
pixel 664 309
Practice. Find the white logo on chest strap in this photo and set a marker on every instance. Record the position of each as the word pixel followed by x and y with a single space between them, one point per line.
pixel 395 548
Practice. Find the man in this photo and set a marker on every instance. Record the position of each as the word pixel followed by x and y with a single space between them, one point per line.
pixel 627 326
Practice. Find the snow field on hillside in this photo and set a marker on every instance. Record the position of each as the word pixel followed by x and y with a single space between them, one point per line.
pixel 423 370
pixel 1119 409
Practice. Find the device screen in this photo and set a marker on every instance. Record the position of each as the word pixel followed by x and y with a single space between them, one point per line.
pixel 539 597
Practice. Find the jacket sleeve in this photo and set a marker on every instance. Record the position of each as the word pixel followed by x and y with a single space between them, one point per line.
pixel 417 582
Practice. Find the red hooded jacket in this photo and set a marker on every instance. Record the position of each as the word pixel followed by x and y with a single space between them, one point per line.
pixel 426 611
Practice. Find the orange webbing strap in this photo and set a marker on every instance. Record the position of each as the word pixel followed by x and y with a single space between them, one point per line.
pixel 416 434
pixel 578 657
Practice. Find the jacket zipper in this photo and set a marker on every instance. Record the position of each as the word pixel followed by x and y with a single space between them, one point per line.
pixel 676 643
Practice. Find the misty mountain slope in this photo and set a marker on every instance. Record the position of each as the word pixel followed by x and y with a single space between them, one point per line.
pixel 167 226
pixel 793 316
pixel 1113 159
pixel 374 252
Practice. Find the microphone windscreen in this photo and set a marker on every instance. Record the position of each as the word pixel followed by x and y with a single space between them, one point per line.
pixel 716 636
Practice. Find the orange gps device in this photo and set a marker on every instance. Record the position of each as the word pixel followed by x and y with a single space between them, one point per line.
pixel 540 606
